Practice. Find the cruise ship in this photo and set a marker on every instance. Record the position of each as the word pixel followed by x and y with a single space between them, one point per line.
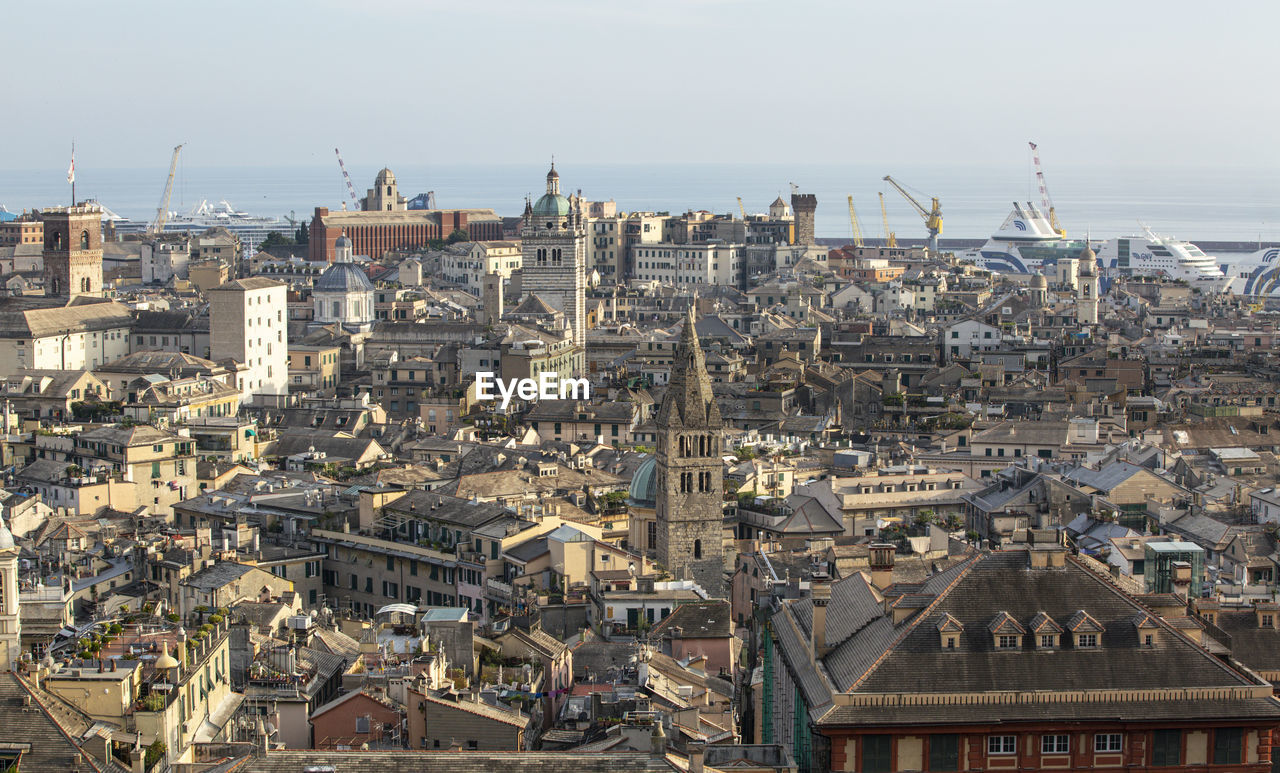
pixel 251 229
pixel 1026 243
pixel 1258 273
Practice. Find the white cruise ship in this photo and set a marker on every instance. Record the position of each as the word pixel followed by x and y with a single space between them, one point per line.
pixel 251 229
pixel 1026 243
pixel 1152 255
pixel 1258 273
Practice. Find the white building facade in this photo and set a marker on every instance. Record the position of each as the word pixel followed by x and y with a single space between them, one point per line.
pixel 248 323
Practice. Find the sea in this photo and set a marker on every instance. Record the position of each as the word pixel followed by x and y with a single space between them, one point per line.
pixel 1209 204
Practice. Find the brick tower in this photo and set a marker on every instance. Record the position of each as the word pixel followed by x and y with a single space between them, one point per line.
pixel 72 251
pixel 690 475
pixel 804 205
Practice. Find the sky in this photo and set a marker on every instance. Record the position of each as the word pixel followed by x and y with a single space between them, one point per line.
pixel 282 83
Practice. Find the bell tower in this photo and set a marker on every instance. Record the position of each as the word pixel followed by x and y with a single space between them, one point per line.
pixel 690 475
pixel 72 251
pixel 10 622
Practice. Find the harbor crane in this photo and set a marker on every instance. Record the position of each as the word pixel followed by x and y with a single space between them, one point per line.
pixel 890 240
pixel 1045 200
pixel 351 189
pixel 742 209
pixel 162 212
pixel 853 223
pixel 932 217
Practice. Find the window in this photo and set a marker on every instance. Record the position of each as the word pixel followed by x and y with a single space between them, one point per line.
pixel 1227 746
pixel 1008 642
pixel 876 753
pixel 944 753
pixel 1055 744
pixel 1087 640
pixel 362 724
pixel 1268 621
pixel 1107 742
pixel 1166 748
pixel 1048 641
pixel 1002 744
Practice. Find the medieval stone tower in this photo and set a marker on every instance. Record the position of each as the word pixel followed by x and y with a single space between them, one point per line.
pixel 804 205
pixel 690 477
pixel 553 243
pixel 72 251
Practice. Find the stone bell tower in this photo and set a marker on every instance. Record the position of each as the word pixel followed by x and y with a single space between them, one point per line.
pixel 72 251
pixel 690 475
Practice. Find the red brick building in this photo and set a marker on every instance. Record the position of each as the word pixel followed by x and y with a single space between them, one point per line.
pixel 374 233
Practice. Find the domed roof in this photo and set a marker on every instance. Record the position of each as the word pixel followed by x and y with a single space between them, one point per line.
pixel 343 278
pixel 1087 253
pixel 342 241
pixel 553 174
pixel 166 661
pixel 385 177
pixel 643 483
pixel 6 536
pixel 1039 282
pixel 551 205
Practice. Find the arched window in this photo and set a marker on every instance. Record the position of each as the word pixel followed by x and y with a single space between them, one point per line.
pixel 697 548
pixel 388 193
pixel 84 240
pixel 84 284
pixel 56 241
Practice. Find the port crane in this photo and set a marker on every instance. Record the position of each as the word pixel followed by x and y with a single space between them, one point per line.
pixel 162 212
pixel 890 239
pixel 351 189
pixel 932 217
pixel 742 209
pixel 853 223
pixel 1044 192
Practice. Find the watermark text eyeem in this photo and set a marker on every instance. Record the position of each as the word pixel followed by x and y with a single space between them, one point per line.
pixel 547 386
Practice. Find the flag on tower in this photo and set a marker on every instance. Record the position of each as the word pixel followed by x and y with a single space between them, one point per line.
pixel 71 170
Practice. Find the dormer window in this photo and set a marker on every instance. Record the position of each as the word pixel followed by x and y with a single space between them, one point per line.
pixel 1047 632
pixel 949 629
pixel 1006 632
pixel 1086 630
pixel 1268 621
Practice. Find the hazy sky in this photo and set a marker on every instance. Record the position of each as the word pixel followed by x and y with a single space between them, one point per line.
pixel 597 81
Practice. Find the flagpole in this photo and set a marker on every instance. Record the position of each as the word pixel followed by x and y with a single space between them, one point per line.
pixel 72 173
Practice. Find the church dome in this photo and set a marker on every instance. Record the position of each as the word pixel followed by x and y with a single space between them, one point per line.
pixel 643 484
pixel 342 241
pixel 385 177
pixel 1038 282
pixel 343 278
pixel 551 205
pixel 6 537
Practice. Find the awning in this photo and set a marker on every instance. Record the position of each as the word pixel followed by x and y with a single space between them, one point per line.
pixel 217 720
pixel 407 609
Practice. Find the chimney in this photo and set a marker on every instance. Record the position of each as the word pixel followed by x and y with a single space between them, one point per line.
pixel 658 740
pixel 882 564
pixel 820 595
pixel 695 756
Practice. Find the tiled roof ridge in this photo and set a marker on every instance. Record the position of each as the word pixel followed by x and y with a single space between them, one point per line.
pixel 921 615
pixel 46 708
pixel 1115 589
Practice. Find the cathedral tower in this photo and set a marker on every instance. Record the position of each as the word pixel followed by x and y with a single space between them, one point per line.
pixel 690 475
pixel 554 255
pixel 72 251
